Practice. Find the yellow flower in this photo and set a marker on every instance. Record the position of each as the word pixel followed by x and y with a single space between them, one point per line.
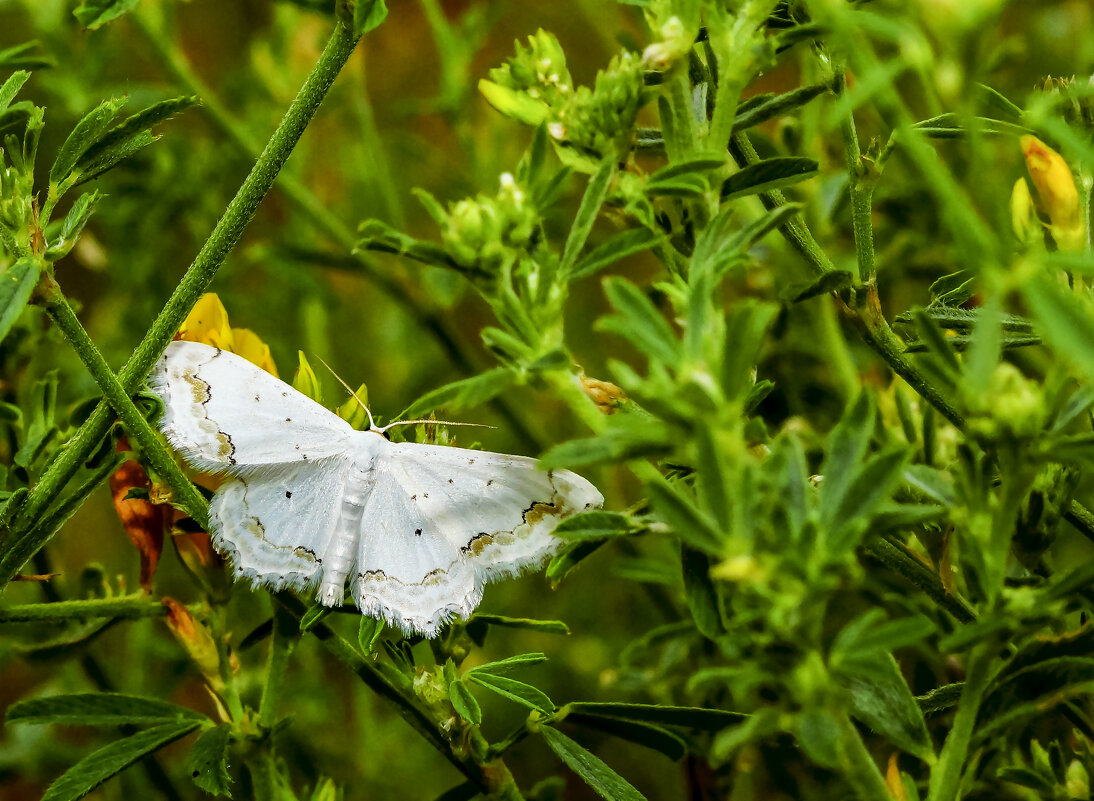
pixel 1059 195
pixel 208 323
pixel 1023 214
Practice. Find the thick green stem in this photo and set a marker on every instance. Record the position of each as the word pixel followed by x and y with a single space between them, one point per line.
pixel 946 775
pixel 128 608
pixel 140 432
pixel 862 191
pixel 196 281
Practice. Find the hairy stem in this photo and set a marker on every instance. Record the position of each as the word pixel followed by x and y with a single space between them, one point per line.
pixel 199 275
pixel 149 445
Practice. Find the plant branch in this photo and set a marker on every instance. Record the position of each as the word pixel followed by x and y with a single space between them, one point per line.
pixel 393 687
pixel 126 608
pixel 196 281
pixel 946 776
pixel 149 445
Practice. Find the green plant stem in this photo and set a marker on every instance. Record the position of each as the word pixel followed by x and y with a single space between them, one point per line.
pixel 196 281
pixel 794 230
pixel 946 776
pixel 861 188
pixel 393 687
pixel 126 608
pixel 897 559
pixel 149 445
pixel 286 633
pixel 431 320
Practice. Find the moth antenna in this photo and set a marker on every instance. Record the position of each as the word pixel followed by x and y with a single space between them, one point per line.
pixel 349 389
pixel 434 422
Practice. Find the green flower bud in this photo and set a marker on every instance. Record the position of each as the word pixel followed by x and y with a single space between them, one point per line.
pixel 485 232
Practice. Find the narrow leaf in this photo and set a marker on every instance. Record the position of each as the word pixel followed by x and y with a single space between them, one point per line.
pixel 100 765
pixel 503 667
pixel 1065 321
pixel 594 525
pixel 605 781
pixel 638 321
pixel 831 281
pixel 97 709
pixel 767 175
pixel 644 734
pixel 687 717
pixel 464 702
pixel 16 286
pixel 11 87
pixel 681 514
pixel 466 393
pixel 614 249
pixel 514 690
pixel 87 132
pixel 591 201
pixel 541 626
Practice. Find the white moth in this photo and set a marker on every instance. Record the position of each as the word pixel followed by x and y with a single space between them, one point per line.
pixel 417 529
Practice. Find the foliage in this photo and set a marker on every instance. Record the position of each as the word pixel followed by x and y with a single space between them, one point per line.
pixel 770 273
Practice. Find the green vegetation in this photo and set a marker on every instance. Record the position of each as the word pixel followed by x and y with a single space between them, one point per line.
pixel 804 287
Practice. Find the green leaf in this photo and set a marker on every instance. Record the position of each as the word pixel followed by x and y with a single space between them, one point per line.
pixel 638 321
pixel 541 626
pixel 503 667
pixel 94 13
pixel 686 717
pixel 952 126
pixel 109 159
pixel 845 452
pixel 207 762
pixel 11 87
pixel 745 330
pixel 594 525
pixel 761 108
pixel 97 709
pixel 701 594
pixel 885 704
pixel 369 630
pixel 100 765
pixel 566 562
pixel 872 482
pixel 17 284
pixel 644 734
pixel 88 132
pixel 467 393
pixel 1064 321
pixel 367 15
pixel 614 249
pixel 681 513
pixel 314 616
pixel 819 735
pixel 723 243
pixel 605 781
pixel 25 56
pixel 831 281
pixel 624 439
pixel 72 225
pixel 767 175
pixel 514 690
pixel 512 103
pixel 698 164
pixel 591 201
pixel 464 702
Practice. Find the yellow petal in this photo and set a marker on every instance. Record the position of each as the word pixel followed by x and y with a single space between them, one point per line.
pixel 1023 214
pixel 247 344
pixel 208 323
pixel 1059 195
